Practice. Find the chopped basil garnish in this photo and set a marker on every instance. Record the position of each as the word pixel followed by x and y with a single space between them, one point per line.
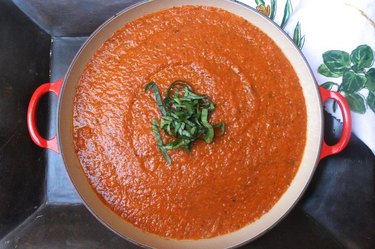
pixel 185 117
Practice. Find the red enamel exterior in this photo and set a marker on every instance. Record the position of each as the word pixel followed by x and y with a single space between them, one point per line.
pixel 347 123
pixel 31 115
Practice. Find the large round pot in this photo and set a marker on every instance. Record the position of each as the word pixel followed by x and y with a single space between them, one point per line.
pixel 315 148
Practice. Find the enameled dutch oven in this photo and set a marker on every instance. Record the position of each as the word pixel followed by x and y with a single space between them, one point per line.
pixel 315 149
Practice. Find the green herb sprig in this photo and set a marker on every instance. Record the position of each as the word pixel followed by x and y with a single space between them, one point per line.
pixel 185 117
pixel 356 73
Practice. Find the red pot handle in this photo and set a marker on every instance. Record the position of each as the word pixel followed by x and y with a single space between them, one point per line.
pixel 347 123
pixel 31 115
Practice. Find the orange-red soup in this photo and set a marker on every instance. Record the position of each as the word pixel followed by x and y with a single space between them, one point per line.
pixel 218 187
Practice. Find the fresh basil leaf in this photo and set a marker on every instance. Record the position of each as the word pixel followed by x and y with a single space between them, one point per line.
pixel 370 83
pixel 337 61
pixel 152 86
pixel 220 125
pixel 159 141
pixel 371 101
pixel 210 130
pixel 185 118
pixel 329 85
pixel 362 57
pixel 287 12
pixel 352 82
pixel 356 102
pixel 323 69
pixel 149 86
pixel 178 143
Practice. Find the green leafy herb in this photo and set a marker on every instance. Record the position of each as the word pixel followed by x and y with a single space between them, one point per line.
pixel 352 82
pixel 185 117
pixel 370 82
pixel 337 61
pixel 371 101
pixel 356 75
pixel 356 102
pixel 329 85
pixel 324 70
pixel 159 142
pixel 156 91
pixel 362 57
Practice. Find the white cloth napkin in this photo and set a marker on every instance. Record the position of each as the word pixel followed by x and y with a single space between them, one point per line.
pixel 333 25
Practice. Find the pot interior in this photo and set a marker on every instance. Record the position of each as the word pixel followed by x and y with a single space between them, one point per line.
pixel 112 220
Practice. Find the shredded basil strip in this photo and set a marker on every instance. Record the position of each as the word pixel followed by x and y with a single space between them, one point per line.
pixel 159 142
pixel 185 117
pixel 220 125
pixel 210 130
pixel 156 91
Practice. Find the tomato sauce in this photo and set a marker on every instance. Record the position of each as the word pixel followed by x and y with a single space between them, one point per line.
pixel 217 188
